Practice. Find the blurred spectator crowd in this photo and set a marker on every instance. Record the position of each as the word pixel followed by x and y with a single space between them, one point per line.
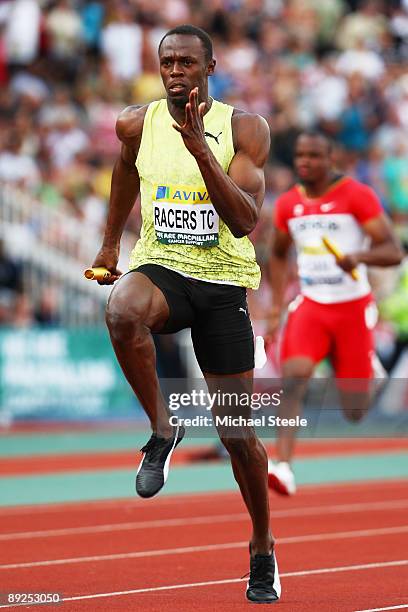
pixel 67 67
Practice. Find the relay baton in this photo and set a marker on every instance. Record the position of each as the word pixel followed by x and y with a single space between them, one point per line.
pixel 334 250
pixel 97 274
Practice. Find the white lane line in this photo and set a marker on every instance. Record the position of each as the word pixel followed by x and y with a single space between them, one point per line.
pixel 387 608
pixel 314 537
pixel 175 522
pixel 122 503
pixel 325 570
pixel 203 520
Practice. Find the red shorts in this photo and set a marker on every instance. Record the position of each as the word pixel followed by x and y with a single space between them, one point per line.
pixel 341 331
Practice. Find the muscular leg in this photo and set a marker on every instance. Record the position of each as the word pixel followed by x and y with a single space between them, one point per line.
pixel 296 373
pixel 137 307
pixel 248 459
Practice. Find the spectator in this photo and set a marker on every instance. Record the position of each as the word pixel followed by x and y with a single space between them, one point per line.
pixel 15 167
pixel 46 310
pixel 122 45
pixel 368 24
pixel 66 139
pixel 11 286
pixel 359 117
pixel 92 14
pixel 29 87
pixel 23 32
pixel 361 60
pixel 395 175
pixel 64 28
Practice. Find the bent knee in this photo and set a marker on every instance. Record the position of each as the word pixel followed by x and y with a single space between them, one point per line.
pixel 124 319
pixel 298 369
pixel 354 415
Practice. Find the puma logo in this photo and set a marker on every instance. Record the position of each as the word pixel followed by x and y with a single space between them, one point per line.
pixel 327 207
pixel 212 136
pixel 242 310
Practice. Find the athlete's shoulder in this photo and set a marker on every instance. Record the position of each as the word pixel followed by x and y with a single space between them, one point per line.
pixel 242 116
pixel 363 200
pixel 251 134
pixel 350 185
pixel 355 188
pixel 244 122
pixel 129 124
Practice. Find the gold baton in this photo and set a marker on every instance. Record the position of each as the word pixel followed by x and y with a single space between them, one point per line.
pixel 334 250
pixel 97 274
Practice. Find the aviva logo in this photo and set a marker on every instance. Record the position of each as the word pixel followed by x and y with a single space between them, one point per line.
pixel 182 194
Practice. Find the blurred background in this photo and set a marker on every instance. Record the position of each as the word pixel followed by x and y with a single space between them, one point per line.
pixel 68 67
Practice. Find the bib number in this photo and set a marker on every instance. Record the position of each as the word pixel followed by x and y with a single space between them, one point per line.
pixel 191 224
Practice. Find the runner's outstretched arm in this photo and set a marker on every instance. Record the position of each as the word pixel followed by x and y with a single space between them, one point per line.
pixel 124 189
pixel 278 278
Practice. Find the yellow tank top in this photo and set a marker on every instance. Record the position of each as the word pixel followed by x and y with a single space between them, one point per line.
pixel 181 229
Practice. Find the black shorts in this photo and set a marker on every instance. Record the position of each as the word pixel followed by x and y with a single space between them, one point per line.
pixel 217 314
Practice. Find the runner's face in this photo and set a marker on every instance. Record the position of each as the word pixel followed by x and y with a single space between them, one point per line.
pixel 312 159
pixel 183 66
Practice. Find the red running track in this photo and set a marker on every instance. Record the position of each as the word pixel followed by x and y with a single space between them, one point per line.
pixel 340 548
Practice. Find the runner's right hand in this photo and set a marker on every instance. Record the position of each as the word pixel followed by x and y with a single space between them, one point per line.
pixel 108 258
pixel 273 319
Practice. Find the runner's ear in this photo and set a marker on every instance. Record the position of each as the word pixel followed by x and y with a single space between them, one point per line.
pixel 211 67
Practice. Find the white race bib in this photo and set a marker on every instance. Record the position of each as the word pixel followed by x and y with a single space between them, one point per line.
pixel 184 215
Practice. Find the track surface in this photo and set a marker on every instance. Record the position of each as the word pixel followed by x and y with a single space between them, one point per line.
pixel 43 464
pixel 340 548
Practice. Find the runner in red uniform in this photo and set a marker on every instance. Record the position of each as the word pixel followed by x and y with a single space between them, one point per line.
pixel 334 314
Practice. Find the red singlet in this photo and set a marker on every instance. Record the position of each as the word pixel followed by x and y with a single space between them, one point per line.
pixel 335 315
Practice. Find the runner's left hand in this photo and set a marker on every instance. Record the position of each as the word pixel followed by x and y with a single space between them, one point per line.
pixel 192 130
pixel 347 262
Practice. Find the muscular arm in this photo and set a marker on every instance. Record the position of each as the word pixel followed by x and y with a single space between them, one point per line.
pixel 124 191
pixel 277 277
pixel 124 188
pixel 385 249
pixel 278 268
pixel 238 195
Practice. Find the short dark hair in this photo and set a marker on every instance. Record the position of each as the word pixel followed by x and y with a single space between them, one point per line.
pixel 314 133
pixel 190 30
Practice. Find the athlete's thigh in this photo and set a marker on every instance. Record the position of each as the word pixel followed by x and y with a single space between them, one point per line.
pixel 306 333
pixel 222 332
pixel 151 294
pixel 354 340
pixel 134 296
pixel 176 291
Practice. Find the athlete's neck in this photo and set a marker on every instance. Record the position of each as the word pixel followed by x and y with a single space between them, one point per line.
pixel 319 188
pixel 179 113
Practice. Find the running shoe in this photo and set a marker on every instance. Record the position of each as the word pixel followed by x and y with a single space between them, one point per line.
pixel 264 585
pixel 154 466
pixel 281 478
